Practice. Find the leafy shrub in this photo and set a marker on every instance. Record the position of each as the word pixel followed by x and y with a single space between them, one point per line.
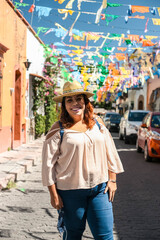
pixel 39 125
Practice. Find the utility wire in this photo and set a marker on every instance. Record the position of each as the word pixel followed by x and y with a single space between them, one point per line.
pixel 32 13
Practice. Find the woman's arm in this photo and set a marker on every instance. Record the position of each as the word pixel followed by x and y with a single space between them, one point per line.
pixel 112 176
pixel 111 185
pixel 56 200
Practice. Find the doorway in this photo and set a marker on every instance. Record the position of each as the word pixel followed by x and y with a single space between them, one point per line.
pixel 17 109
pixel 141 103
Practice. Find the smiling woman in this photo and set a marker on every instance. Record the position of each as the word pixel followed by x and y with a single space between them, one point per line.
pixel 80 168
pixel 75 106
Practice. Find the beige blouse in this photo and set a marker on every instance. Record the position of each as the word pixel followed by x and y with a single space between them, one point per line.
pixel 82 160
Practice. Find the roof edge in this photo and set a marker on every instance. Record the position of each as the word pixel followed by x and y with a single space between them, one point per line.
pixel 25 21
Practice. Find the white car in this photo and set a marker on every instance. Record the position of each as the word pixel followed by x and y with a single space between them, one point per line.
pixel 130 123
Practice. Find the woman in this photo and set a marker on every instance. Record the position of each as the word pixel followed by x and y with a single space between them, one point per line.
pixel 80 167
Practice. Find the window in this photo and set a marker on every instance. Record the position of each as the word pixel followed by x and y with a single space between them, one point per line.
pixel 115 117
pixel 155 122
pixel 136 116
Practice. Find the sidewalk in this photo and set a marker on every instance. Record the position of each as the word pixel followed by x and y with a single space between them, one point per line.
pixel 16 162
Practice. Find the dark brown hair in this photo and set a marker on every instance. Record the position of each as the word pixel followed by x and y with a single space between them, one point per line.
pixel 68 122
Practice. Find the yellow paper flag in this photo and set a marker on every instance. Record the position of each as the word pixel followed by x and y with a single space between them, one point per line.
pixel 158 11
pixel 156 21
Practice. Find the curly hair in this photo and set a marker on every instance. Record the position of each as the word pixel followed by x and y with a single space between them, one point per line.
pixel 68 122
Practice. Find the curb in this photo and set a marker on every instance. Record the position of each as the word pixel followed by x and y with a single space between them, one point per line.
pixel 15 163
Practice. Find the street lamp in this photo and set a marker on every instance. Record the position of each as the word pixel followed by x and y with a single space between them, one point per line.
pixel 27 64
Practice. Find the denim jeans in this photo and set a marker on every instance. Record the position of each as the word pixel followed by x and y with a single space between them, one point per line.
pixel 91 205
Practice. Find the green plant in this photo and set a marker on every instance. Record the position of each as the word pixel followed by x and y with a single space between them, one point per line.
pixel 39 125
pixel 51 116
pixel 44 91
pixel 10 185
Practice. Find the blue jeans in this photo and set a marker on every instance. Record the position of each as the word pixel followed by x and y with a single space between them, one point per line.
pixel 91 205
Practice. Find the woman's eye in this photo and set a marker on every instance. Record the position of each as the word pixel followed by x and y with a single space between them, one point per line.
pixel 69 100
pixel 79 99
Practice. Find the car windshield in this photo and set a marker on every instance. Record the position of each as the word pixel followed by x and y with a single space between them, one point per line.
pixel 115 117
pixel 108 115
pixel 155 122
pixel 136 116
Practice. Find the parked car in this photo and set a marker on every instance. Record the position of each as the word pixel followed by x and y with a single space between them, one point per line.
pixel 112 123
pixel 129 124
pixel 107 116
pixel 149 136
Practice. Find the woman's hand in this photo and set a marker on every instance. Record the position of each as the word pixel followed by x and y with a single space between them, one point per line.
pixel 56 201
pixel 111 188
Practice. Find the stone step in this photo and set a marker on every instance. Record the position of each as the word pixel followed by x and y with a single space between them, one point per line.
pixel 15 163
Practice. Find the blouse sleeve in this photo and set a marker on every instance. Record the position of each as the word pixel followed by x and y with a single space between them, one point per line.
pixel 50 153
pixel 114 162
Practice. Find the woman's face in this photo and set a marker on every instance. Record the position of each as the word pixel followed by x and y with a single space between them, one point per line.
pixel 75 106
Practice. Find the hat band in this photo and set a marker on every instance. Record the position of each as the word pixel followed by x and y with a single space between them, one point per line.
pixel 73 90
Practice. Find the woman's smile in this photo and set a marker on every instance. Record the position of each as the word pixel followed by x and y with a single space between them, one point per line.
pixel 76 109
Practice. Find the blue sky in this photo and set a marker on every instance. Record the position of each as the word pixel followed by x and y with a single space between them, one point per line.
pixel 86 22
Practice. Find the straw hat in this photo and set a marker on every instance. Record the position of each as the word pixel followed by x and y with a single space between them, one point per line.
pixel 70 89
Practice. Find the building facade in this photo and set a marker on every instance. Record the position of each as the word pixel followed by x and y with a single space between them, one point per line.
pixel 15 38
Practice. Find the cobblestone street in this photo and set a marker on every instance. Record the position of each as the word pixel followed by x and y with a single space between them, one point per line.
pixel 26 213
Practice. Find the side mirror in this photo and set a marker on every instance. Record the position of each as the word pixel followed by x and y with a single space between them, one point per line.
pixel 143 125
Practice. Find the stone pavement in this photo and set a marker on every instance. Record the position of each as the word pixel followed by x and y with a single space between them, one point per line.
pixel 14 163
pixel 25 210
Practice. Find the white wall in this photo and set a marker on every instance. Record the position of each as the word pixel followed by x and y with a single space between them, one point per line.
pixel 133 96
pixel 34 54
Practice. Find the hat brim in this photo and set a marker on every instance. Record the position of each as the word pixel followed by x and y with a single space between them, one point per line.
pixel 60 97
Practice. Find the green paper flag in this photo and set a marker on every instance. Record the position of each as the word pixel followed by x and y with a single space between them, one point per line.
pixel 17 4
pixel 102 78
pixel 128 41
pixel 113 5
pixel 113 35
pixel 107 48
pixel 95 57
pixel 113 17
pixel 105 54
pixel 41 29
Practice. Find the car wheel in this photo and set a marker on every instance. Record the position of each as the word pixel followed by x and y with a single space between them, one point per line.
pixel 139 149
pixel 126 139
pixel 120 136
pixel 146 154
